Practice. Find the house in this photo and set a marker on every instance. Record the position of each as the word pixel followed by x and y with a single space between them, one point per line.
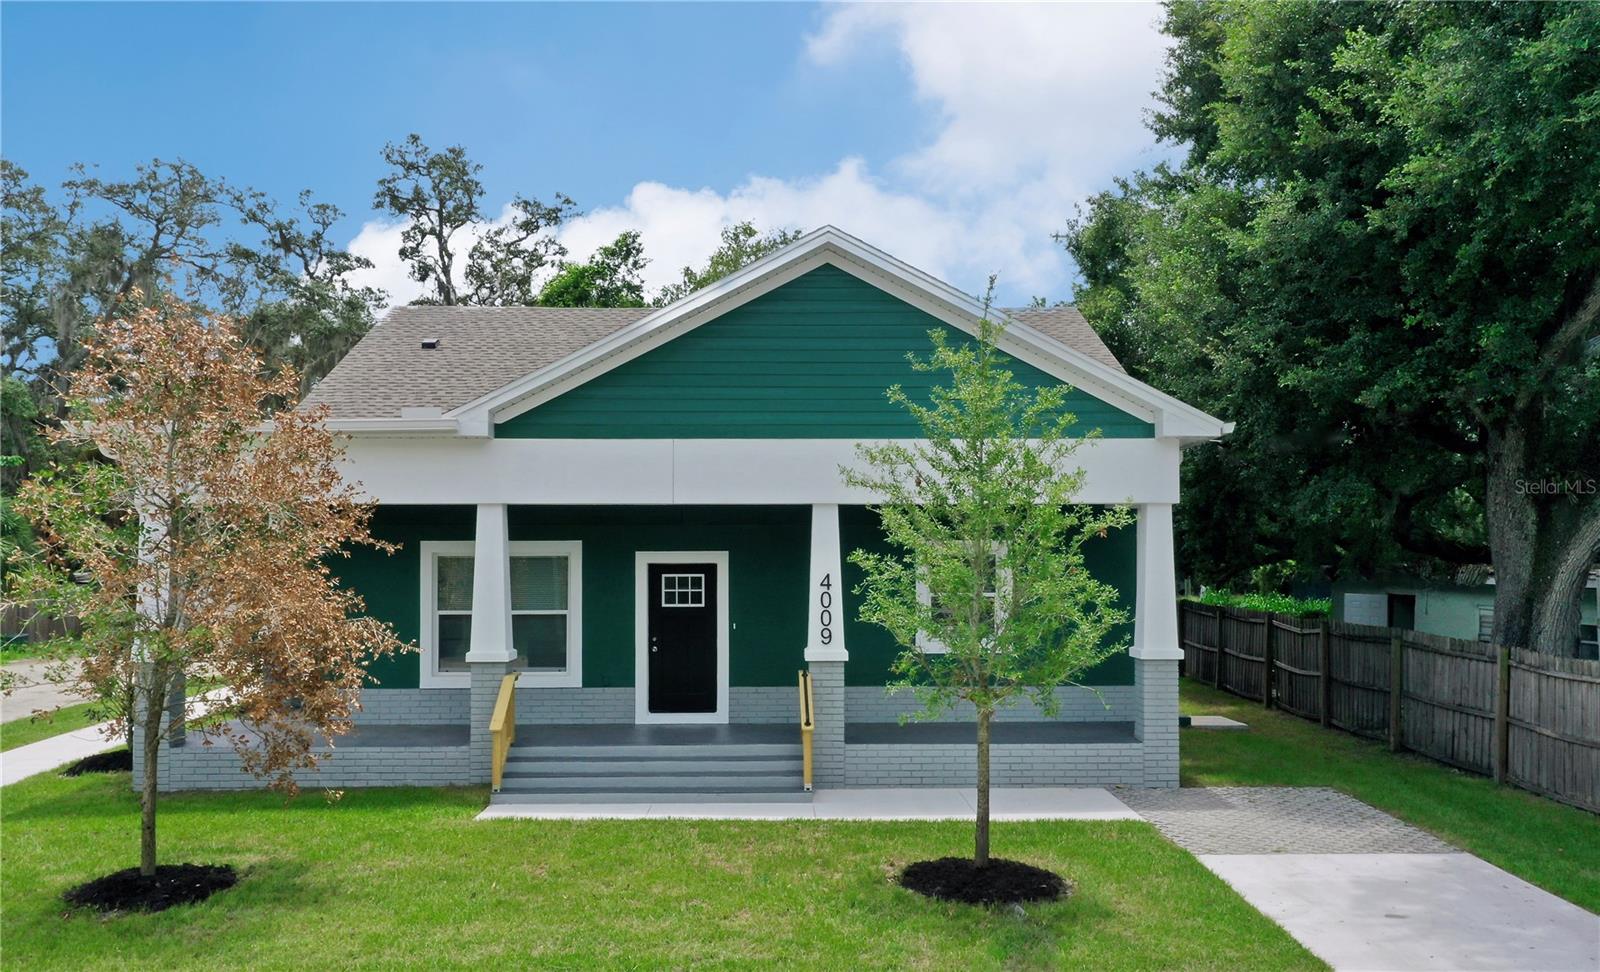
pixel 1458 607
pixel 623 532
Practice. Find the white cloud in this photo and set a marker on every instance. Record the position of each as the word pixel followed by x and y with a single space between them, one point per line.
pixel 1037 107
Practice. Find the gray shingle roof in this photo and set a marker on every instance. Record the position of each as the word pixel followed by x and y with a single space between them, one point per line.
pixel 484 348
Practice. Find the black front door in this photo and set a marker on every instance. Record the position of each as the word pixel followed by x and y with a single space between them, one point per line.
pixel 682 632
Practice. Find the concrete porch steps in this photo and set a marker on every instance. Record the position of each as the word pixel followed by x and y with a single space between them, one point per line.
pixel 656 765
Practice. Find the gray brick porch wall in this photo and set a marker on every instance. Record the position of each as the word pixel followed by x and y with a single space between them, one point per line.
pixel 1113 703
pixel 1023 765
pixel 1156 724
pixel 216 767
pixel 827 742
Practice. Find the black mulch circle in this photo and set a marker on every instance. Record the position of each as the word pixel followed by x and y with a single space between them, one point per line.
pixel 173 884
pixel 116 761
pixel 998 882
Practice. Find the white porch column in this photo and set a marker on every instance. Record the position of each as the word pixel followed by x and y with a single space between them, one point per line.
pixel 1156 651
pixel 1155 617
pixel 825 652
pixel 491 587
pixel 489 652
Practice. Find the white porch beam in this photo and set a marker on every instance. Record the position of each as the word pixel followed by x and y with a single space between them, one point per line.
pixel 491 588
pixel 825 627
pixel 1155 616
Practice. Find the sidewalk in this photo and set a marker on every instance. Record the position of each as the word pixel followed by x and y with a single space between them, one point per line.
pixel 47 754
pixel 69 747
pixel 867 803
pixel 1364 891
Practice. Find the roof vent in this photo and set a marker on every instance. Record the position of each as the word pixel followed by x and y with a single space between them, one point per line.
pixel 428 344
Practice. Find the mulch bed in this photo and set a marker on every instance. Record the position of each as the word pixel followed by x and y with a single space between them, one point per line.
pixel 173 884
pixel 116 761
pixel 998 882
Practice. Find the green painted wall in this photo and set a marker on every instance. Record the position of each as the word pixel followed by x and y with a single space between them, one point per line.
pixel 872 649
pixel 769 548
pixel 768 552
pixel 811 359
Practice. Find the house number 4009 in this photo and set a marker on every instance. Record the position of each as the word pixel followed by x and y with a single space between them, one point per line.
pixel 825 609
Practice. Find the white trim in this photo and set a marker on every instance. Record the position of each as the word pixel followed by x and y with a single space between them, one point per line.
pixel 1155 612
pixel 828 245
pixel 658 472
pixel 641 634
pixel 427 641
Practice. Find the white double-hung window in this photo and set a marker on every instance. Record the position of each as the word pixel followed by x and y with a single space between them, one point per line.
pixel 546 612
pixel 999 580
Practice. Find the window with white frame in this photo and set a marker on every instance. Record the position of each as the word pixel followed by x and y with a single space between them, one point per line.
pixel 998 582
pixel 546 611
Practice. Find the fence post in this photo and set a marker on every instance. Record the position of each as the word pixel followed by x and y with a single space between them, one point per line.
pixel 1397 690
pixel 1222 646
pixel 1325 672
pixel 1502 713
pixel 1266 663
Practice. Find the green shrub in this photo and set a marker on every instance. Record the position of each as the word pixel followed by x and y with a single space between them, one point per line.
pixel 1312 607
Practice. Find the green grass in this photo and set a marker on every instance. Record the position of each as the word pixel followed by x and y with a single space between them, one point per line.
pixel 404 878
pixel 31 728
pixel 1554 846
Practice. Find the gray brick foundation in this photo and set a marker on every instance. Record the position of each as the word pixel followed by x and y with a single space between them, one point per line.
pixel 1029 765
pixel 216 767
pixel 1104 703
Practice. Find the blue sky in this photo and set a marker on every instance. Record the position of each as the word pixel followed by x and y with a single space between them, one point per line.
pixel 956 137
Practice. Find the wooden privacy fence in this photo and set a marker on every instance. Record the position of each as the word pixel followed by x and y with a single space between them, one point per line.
pixel 1525 718
pixel 20 622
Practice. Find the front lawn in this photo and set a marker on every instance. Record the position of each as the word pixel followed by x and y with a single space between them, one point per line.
pixel 31 728
pixel 399 878
pixel 1541 841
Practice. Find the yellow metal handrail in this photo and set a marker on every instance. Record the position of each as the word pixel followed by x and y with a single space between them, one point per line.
pixel 808 725
pixel 503 728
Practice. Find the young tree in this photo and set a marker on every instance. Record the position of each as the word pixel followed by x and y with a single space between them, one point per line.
pixel 741 244
pixel 205 536
pixel 987 594
pixel 610 278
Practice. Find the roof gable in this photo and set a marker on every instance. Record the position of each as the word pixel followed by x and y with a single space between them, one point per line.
pixel 809 359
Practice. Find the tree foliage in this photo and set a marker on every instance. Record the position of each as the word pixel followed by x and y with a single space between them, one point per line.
pixel 610 278
pixel 169 228
pixel 439 198
pixel 1381 258
pixel 741 244
pixel 205 541
pixel 988 545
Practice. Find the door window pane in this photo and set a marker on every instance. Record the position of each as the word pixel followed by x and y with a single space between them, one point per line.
pixel 540 641
pixel 455 631
pixel 538 583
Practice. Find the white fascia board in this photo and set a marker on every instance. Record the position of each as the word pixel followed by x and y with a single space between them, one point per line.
pixel 649 472
pixel 395 426
pixel 828 245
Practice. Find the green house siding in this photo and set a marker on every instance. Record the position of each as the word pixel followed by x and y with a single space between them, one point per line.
pixel 769 549
pixel 872 649
pixel 811 359
pixel 768 560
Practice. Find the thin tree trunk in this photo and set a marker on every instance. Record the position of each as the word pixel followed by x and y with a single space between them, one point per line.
pixel 147 794
pixel 980 854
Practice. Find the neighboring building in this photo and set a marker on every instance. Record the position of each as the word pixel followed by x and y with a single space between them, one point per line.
pixel 1461 608
pixel 640 512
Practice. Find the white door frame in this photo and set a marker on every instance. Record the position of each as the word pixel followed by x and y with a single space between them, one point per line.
pixel 641 623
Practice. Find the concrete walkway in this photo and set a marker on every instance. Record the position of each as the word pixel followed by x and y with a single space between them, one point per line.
pixel 47 754
pixel 1365 891
pixel 69 747
pixel 31 691
pixel 866 803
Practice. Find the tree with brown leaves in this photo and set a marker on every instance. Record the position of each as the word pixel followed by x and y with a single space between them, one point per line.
pixel 198 544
